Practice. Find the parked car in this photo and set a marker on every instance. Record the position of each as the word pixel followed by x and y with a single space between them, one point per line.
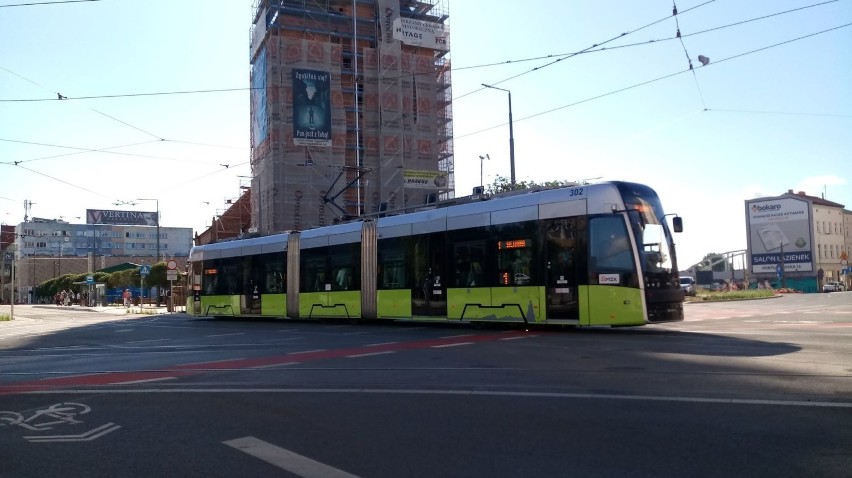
pixel 833 287
pixel 687 285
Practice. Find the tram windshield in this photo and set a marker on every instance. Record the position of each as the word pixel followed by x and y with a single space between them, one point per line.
pixel 654 238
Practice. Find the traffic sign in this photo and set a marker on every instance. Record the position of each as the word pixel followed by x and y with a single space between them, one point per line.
pixel 144 270
pixel 171 265
pixel 171 275
pixel 90 280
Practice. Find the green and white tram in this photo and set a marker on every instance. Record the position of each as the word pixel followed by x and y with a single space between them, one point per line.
pixel 590 255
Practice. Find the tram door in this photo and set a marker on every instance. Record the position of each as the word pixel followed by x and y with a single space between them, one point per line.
pixel 429 291
pixel 250 301
pixel 562 257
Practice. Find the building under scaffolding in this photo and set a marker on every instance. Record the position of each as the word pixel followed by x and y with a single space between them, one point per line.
pixel 351 109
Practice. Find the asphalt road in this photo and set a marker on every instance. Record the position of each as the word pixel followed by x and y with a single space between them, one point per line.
pixel 747 388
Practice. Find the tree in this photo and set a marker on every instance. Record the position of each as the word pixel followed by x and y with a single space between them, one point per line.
pixel 502 184
pixel 714 261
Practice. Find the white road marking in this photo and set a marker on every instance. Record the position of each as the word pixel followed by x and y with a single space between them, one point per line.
pixel 306 351
pixel 370 354
pixel 456 336
pixel 451 345
pixel 285 459
pixel 88 436
pixel 379 344
pixel 224 335
pixel 495 393
pixel 210 362
pixel 283 364
pixel 519 337
pixel 147 380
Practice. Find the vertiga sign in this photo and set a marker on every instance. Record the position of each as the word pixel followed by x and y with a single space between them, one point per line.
pixel 126 218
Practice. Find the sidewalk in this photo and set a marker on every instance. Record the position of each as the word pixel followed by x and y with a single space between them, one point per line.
pixel 20 309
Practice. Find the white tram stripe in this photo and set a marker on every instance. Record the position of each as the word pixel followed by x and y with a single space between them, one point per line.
pixel 285 459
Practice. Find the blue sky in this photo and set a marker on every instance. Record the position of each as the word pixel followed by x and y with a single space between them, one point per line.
pixel 741 127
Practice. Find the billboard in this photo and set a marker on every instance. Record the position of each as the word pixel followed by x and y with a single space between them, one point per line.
pixel 779 226
pixel 124 218
pixel 311 108
pixel 424 179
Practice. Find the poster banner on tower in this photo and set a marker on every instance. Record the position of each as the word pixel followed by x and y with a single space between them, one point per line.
pixel 311 108
pixel 424 179
pixel 258 99
pixel 419 33
pixel 388 16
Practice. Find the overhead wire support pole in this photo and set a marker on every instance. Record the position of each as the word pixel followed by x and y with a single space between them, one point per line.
pixel 511 135
pixel 157 223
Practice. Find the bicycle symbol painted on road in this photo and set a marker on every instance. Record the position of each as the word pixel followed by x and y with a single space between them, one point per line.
pixel 47 418
pixel 58 414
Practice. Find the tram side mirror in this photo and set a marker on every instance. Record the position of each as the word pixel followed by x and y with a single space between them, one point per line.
pixel 677 224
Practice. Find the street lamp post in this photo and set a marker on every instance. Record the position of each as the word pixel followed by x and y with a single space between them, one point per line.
pixel 511 134
pixel 481 160
pixel 61 243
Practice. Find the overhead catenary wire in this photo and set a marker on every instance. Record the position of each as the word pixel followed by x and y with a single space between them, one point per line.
pixel 79 150
pixel 622 35
pixel 642 43
pixel 55 2
pixel 592 49
pixel 792 113
pixel 223 90
pixel 670 75
pixel 688 59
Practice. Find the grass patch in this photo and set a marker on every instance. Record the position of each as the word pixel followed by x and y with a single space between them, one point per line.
pixel 5 317
pixel 706 295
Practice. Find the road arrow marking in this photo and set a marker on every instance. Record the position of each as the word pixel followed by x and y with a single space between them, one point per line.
pixel 88 436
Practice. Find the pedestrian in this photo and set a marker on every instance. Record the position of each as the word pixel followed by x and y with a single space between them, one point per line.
pixel 127 296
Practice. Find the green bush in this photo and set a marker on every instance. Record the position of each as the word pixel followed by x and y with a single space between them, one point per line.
pixel 705 295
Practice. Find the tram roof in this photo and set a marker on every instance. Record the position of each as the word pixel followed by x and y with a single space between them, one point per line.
pixel 513 207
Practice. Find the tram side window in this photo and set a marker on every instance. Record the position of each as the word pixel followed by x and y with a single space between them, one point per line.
pixel 313 270
pixel 392 270
pixel 274 271
pixel 230 275
pixel 609 245
pixel 210 278
pixel 345 266
pixel 514 262
pixel 469 259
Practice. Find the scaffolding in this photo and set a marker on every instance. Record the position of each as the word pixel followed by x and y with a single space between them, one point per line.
pixel 350 108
